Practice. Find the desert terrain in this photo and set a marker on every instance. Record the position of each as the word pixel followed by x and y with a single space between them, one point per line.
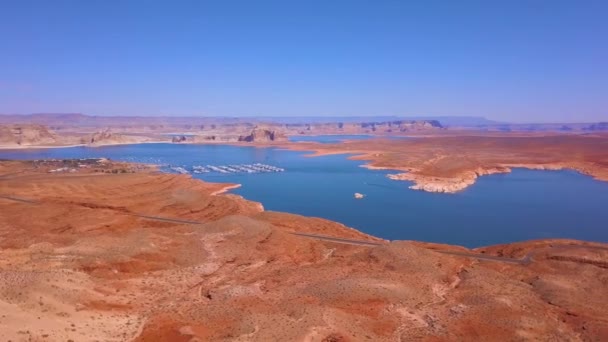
pixel 17 136
pixel 433 157
pixel 78 122
pixel 48 130
pixel 451 162
pixel 104 251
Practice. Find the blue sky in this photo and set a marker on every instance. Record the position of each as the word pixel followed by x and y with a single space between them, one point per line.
pixel 510 60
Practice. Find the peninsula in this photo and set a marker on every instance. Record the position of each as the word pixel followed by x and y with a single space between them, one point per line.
pixel 450 163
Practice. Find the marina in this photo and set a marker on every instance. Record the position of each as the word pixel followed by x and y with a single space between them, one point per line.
pixel 233 168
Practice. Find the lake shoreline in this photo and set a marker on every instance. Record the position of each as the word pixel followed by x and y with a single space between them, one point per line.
pixel 447 184
pixel 154 244
pixel 397 210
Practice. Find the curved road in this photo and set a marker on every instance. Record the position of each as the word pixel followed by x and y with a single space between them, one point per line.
pixel 523 261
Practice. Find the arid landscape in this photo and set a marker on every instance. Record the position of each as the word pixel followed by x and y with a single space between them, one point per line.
pixel 434 158
pixel 451 163
pixel 44 130
pixel 308 171
pixel 121 252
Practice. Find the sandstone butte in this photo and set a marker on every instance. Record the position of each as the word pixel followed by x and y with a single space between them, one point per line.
pixel 120 252
pixel 39 136
pixel 57 130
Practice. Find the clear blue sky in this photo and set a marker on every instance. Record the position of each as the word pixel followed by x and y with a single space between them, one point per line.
pixel 516 60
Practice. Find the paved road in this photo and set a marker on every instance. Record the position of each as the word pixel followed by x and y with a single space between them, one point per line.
pixel 165 219
pixel 523 261
pixel 338 240
pixel 18 199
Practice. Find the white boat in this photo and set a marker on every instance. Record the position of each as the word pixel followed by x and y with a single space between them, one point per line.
pixel 179 169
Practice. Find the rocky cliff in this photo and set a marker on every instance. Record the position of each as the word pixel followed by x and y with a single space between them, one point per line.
pixel 368 127
pixel 263 135
pixel 79 123
pixel 106 137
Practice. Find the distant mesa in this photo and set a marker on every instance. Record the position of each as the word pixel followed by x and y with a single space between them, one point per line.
pixel 600 126
pixel 401 126
pixel 263 135
pixel 228 135
pixel 99 137
pixel 223 126
pixel 107 137
pixel 364 127
pixel 26 135
pixel 178 138
pixel 230 128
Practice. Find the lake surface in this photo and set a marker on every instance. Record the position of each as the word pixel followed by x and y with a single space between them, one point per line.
pixel 502 208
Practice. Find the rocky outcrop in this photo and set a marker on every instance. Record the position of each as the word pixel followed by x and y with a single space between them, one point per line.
pixel 450 185
pixel 178 139
pixel 26 135
pixel 79 123
pixel 107 137
pixel 447 185
pixel 368 127
pixel 263 135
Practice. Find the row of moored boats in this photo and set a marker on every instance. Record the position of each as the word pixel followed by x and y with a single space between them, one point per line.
pixel 240 168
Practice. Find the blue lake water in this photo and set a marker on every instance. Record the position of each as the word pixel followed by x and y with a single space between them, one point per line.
pixel 503 208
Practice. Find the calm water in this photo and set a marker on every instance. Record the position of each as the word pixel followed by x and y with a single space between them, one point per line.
pixel 519 206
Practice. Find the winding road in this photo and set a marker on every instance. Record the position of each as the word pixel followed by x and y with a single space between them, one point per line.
pixel 527 259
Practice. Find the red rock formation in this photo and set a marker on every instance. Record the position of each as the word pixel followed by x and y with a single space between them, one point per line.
pixel 107 137
pixel 26 135
pixel 263 135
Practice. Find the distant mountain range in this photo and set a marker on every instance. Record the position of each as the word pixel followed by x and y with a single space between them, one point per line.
pixel 215 128
pixel 83 119
pixel 63 120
